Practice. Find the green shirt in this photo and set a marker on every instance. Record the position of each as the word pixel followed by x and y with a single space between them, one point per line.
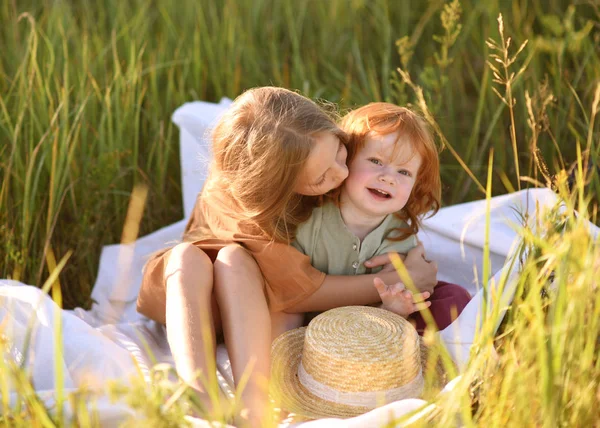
pixel 335 250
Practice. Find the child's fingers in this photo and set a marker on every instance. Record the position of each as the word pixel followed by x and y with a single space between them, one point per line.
pixel 419 297
pixel 380 286
pixel 399 286
pixel 398 291
pixel 422 305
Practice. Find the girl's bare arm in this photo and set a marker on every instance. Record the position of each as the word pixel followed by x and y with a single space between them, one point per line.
pixel 345 290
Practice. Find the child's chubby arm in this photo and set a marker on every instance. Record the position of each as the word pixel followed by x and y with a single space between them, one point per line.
pixel 422 271
pixel 396 298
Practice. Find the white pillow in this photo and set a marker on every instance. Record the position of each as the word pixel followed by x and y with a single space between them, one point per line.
pixel 195 121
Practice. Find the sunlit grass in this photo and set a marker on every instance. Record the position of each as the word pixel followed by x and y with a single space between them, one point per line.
pixel 86 94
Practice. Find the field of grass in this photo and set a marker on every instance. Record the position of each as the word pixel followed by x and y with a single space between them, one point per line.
pixel 87 89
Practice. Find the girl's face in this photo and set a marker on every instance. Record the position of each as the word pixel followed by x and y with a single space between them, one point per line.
pixel 382 175
pixel 325 168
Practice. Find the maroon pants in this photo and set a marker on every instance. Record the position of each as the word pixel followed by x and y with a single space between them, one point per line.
pixel 447 302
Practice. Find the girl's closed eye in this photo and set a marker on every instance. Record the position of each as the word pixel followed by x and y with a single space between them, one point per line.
pixel 321 180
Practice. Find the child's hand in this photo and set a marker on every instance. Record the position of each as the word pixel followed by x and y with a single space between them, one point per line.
pixel 396 298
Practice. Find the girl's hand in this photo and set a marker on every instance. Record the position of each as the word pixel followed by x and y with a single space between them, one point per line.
pixel 423 272
pixel 383 260
pixel 396 298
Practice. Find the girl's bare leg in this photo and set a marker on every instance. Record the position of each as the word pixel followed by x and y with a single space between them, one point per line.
pixel 192 317
pixel 282 322
pixel 246 327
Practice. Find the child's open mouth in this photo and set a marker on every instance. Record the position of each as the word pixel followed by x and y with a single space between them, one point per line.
pixel 380 194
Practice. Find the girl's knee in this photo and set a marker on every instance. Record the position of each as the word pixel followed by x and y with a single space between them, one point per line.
pixel 234 257
pixel 186 258
pixel 233 252
pixel 234 266
pixel 188 277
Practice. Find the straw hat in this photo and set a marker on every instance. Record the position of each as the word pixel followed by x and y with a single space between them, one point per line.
pixel 347 361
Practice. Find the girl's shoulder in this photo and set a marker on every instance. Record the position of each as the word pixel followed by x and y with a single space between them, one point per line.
pixel 397 229
pixel 313 221
pixel 394 222
pixel 307 232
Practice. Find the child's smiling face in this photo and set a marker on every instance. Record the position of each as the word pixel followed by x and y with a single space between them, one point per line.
pixel 381 175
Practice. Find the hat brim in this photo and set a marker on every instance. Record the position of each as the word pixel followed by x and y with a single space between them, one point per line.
pixel 290 394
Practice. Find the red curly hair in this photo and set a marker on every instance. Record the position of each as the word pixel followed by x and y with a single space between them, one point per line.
pixel 385 118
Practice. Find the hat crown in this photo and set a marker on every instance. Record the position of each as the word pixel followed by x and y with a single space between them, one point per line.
pixel 361 349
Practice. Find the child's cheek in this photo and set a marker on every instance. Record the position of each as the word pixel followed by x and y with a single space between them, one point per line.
pixel 358 173
pixel 408 189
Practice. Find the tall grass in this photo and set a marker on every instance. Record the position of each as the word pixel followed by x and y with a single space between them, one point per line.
pixel 87 90
pixel 542 368
pixel 86 94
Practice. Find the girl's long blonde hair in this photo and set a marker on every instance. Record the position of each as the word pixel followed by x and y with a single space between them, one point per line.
pixel 386 118
pixel 260 146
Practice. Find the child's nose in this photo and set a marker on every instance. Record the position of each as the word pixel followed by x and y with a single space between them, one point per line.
pixel 387 177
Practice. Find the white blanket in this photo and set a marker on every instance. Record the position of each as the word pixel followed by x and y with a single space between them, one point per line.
pixel 108 341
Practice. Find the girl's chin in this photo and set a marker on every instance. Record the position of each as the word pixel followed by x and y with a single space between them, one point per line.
pixel 373 212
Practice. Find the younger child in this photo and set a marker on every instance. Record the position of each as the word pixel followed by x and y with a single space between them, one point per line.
pixel 393 181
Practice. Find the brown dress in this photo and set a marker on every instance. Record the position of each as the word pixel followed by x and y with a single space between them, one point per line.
pixel 288 275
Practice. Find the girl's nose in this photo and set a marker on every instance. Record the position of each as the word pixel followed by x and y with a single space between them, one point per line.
pixel 341 169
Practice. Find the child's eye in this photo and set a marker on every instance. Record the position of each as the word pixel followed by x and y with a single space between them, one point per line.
pixel 405 172
pixel 321 181
pixel 375 161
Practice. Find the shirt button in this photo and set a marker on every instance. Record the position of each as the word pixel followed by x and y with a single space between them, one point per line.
pixel 355 265
pixel 354 247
